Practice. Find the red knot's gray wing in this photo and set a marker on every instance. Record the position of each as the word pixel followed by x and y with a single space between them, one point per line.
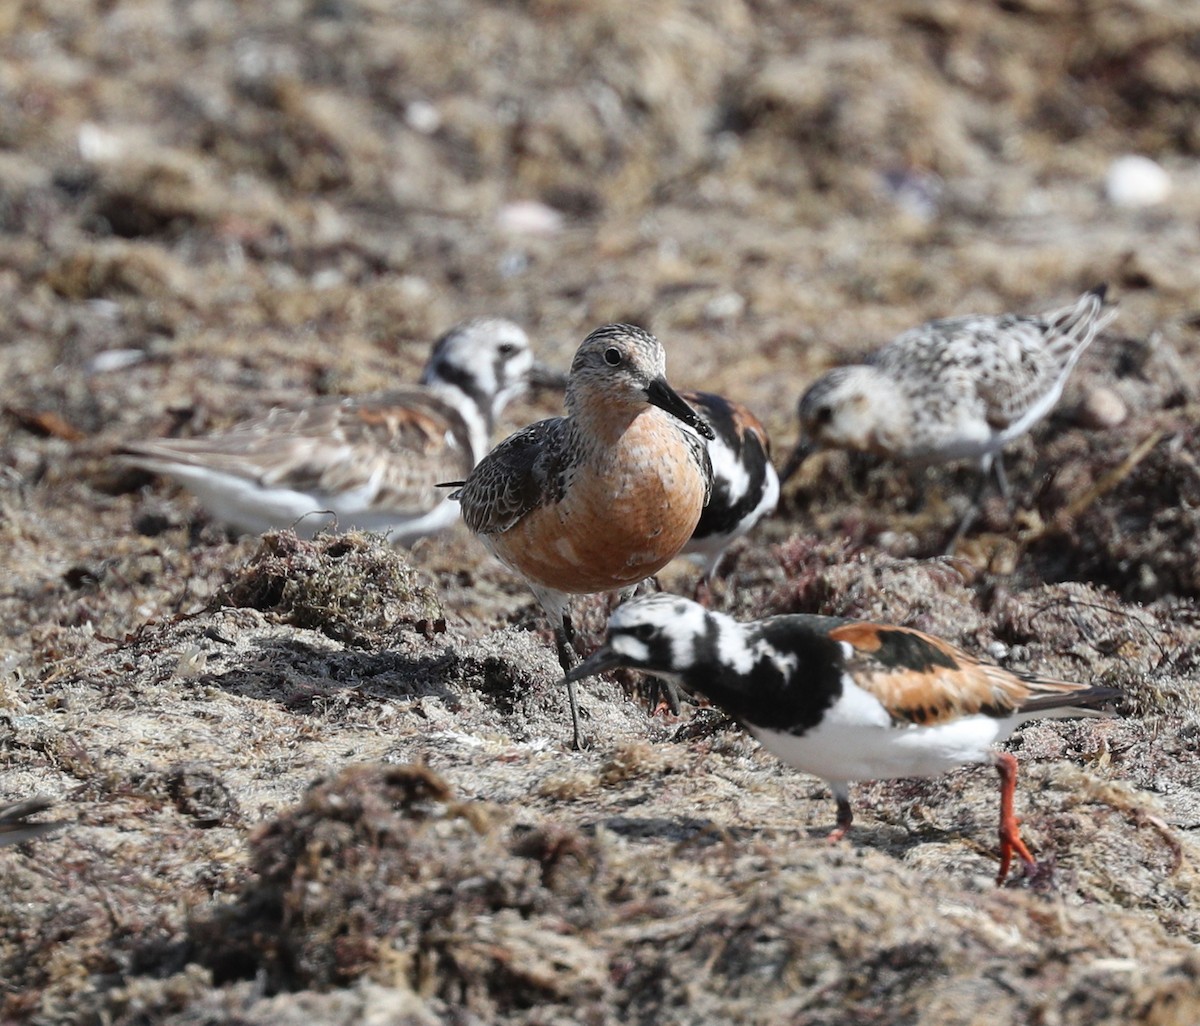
pixel 526 471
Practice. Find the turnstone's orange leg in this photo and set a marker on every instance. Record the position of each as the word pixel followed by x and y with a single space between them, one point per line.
pixel 703 592
pixel 845 817
pixel 1010 836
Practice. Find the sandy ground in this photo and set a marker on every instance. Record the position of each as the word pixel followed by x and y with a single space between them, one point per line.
pixel 329 782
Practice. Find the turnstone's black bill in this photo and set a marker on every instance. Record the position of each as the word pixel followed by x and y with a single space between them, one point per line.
pixel 845 699
pixel 599 499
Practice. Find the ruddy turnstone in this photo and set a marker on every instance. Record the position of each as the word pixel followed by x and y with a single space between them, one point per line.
pixel 14 820
pixel 845 699
pixel 959 388
pixel 745 485
pixel 602 498
pixel 371 462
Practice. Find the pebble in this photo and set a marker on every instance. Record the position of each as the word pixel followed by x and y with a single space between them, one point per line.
pixel 115 360
pixel 1101 408
pixel 725 306
pixel 529 217
pixel 98 145
pixel 1135 181
pixel 422 116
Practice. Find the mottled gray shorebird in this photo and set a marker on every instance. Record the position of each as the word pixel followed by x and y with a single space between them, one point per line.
pixel 959 388
pixel 844 699
pixel 602 498
pixel 370 462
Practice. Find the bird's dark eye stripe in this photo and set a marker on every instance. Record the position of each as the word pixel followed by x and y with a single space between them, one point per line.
pixel 612 356
pixel 507 348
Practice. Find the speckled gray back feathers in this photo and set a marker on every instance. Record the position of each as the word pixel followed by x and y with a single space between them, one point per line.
pixel 1008 362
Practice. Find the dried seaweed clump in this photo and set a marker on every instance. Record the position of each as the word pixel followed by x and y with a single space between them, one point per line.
pixel 1140 537
pixel 353 587
pixel 929 594
pixel 380 872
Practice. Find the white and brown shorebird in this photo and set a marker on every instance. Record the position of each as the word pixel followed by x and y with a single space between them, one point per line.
pixel 370 462
pixel 15 826
pixel 602 498
pixel 745 486
pixel 959 388
pixel 845 699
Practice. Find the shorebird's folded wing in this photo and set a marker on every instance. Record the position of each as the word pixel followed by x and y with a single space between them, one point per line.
pixel 524 472
pixel 922 679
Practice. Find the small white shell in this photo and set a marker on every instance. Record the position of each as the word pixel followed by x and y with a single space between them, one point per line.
pixel 1101 408
pixel 529 217
pixel 1136 181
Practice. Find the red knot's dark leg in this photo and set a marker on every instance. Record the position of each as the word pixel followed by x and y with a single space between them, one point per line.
pixel 564 638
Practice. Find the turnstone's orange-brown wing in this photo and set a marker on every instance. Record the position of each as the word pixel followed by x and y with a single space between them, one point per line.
pixel 730 419
pixel 748 424
pixel 921 679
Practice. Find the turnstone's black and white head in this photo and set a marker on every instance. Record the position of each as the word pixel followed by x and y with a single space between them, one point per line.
pixel 488 360
pixel 845 699
pixel 663 634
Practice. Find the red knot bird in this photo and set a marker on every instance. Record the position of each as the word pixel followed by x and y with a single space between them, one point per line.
pixel 602 498
pixel 745 486
pixel 845 699
pixel 959 388
pixel 370 462
pixel 14 820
